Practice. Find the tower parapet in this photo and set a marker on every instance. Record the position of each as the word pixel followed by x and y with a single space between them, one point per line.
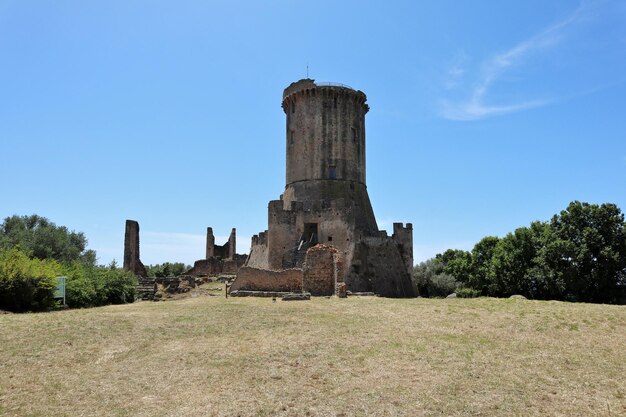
pixel 403 236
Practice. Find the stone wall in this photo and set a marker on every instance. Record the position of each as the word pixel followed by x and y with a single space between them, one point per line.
pixel 378 267
pixel 132 261
pixel 214 266
pixel 403 236
pixel 226 251
pixel 323 268
pixel 258 252
pixel 325 132
pixel 253 279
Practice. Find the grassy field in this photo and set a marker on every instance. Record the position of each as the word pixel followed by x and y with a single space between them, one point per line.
pixel 333 357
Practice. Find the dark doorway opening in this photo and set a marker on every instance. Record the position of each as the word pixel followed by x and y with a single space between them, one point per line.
pixel 310 233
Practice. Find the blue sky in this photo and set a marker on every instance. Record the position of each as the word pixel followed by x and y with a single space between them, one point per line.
pixel 485 115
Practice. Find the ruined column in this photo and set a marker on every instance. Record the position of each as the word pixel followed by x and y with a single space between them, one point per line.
pixel 232 244
pixel 210 243
pixel 132 261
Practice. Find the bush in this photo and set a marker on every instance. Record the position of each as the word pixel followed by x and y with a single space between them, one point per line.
pixel 442 285
pixel 26 284
pixel 119 285
pixel 431 281
pixel 91 287
pixel 467 293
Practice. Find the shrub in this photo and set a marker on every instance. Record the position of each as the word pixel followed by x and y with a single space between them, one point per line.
pixel 26 284
pixel 431 281
pixel 119 285
pixel 467 293
pixel 91 287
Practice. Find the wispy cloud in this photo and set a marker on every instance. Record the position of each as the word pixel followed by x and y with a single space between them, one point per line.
pixel 476 106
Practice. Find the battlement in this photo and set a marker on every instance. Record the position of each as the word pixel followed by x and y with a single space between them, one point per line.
pixel 399 228
pixel 308 87
pixel 260 239
pixel 403 236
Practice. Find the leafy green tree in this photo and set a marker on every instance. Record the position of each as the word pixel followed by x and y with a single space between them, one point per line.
pixel 39 238
pixel 457 263
pixel 514 268
pixel 590 251
pixel 167 269
pixel 431 280
pixel 480 265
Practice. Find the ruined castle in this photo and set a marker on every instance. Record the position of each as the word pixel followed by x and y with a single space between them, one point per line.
pixel 322 234
pixel 325 199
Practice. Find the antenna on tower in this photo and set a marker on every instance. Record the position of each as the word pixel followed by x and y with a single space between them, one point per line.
pixel 307 70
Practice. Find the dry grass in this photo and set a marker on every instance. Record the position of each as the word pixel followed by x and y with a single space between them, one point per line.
pixel 361 356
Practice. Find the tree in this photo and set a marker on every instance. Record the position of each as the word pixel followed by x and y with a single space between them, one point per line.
pixel 39 238
pixel 590 251
pixel 167 269
pixel 457 263
pixel 480 265
pixel 514 268
pixel 431 280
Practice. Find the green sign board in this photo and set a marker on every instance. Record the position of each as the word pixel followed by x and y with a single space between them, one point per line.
pixel 59 292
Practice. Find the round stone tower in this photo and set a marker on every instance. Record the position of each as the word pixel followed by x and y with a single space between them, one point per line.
pixel 325 132
pixel 325 198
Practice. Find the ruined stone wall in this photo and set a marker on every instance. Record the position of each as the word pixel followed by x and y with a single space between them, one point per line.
pixel 253 279
pixel 258 252
pixel 132 261
pixel 210 243
pixel 215 266
pixel 232 244
pixel 378 267
pixel 282 234
pixel 225 251
pixel 322 270
pixel 403 236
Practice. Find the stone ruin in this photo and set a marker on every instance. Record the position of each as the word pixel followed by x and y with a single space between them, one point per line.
pixel 322 235
pixel 132 262
pixel 325 201
pixel 219 260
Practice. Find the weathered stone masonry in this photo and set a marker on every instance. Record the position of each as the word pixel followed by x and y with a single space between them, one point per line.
pixel 325 198
pixel 131 249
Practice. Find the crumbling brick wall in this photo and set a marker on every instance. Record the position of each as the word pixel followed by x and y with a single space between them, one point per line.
pixel 253 279
pixel 323 268
pixel 214 266
pixel 132 262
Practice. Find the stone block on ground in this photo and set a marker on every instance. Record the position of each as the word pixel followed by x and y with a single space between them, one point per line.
pixel 341 290
pixel 302 296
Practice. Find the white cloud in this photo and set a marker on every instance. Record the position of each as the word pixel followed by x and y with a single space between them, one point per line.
pixel 453 77
pixel 475 106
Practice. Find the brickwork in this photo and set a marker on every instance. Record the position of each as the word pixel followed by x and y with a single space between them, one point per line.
pixel 326 200
pixel 403 236
pixel 215 266
pixel 132 261
pixel 253 279
pixel 210 243
pixel 322 270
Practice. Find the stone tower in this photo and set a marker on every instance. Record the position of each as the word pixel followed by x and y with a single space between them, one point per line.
pixel 325 198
